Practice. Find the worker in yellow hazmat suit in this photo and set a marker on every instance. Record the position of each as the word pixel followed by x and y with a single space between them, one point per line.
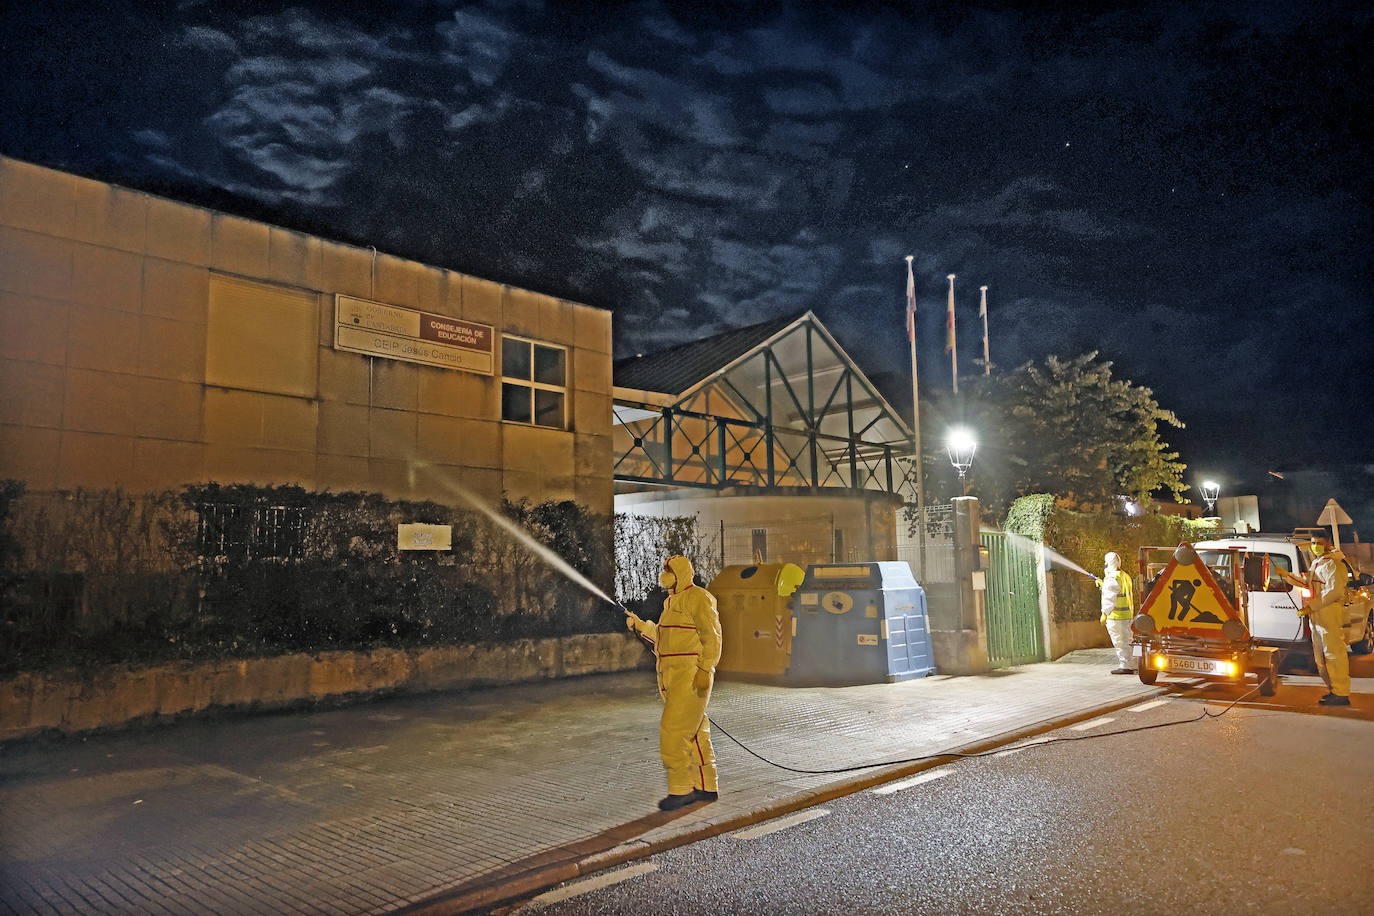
pixel 1325 612
pixel 1118 606
pixel 686 643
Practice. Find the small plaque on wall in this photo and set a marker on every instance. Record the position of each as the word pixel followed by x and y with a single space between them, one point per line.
pixel 424 537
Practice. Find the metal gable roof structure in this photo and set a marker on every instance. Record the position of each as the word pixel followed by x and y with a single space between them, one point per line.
pixel 773 404
pixel 678 369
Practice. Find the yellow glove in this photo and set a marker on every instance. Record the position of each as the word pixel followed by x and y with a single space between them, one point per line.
pixel 632 621
pixel 702 682
pixel 1304 610
pixel 1102 619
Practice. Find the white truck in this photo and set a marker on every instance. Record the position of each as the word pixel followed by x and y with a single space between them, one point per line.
pixel 1274 619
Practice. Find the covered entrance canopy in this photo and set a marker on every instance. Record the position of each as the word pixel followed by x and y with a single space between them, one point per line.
pixel 773 405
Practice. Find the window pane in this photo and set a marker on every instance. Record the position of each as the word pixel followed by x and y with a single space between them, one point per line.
pixel 515 403
pixel 548 408
pixel 515 358
pixel 549 366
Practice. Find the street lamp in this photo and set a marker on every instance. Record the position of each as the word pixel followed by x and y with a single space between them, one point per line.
pixel 1210 491
pixel 960 446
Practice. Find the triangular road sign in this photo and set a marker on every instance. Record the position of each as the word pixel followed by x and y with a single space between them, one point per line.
pixel 1333 514
pixel 1186 600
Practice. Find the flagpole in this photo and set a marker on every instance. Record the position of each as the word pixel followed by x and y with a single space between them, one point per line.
pixel 951 342
pixel 983 310
pixel 916 417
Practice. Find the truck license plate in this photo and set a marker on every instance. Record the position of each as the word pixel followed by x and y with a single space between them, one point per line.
pixel 1199 665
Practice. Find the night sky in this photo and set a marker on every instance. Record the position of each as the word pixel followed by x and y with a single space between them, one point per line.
pixel 1182 187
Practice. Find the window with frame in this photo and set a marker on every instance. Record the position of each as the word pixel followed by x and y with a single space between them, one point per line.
pixel 534 383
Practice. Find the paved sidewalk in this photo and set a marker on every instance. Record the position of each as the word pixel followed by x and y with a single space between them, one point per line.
pixel 451 800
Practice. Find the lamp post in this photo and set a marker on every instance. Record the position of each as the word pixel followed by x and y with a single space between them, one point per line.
pixel 1210 491
pixel 960 446
pixel 916 419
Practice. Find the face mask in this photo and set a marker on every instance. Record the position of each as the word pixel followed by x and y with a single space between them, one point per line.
pixel 1318 549
pixel 667 580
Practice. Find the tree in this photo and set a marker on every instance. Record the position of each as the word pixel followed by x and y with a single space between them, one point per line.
pixel 1069 428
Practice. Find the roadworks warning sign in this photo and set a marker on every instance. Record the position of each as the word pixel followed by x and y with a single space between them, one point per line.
pixel 1186 600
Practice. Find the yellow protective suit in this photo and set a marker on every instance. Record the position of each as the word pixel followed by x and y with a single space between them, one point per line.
pixel 1327 614
pixel 1118 606
pixel 686 643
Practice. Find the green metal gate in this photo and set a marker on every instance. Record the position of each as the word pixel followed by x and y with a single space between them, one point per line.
pixel 1013 602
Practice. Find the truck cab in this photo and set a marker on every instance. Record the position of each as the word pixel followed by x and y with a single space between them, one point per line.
pixel 1273 610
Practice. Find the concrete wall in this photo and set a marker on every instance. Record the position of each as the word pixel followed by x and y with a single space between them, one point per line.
pixel 958 616
pixel 72 702
pixel 1067 624
pixel 104 309
pixel 867 519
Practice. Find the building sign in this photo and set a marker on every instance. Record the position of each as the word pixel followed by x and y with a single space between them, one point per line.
pixel 424 537
pixel 377 329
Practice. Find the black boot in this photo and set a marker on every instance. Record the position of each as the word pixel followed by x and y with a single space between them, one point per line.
pixel 701 795
pixel 673 802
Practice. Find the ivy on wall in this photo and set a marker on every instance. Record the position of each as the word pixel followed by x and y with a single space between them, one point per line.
pixel 1086 537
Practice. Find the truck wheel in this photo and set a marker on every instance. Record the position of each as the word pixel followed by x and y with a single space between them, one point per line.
pixel 1147 674
pixel 1269 682
pixel 1366 645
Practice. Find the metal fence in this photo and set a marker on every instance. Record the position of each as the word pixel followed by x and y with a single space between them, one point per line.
pixel 817 539
pixel 937 563
pixel 229 533
pixel 799 540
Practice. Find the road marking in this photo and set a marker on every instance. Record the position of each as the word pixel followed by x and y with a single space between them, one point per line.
pixel 1150 705
pixel 753 833
pixel 1091 723
pixel 1020 747
pixel 587 885
pixel 916 780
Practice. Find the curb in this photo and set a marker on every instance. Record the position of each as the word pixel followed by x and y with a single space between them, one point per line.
pixel 505 889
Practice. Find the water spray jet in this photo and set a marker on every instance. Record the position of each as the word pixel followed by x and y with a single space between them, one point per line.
pixel 515 531
pixel 1055 556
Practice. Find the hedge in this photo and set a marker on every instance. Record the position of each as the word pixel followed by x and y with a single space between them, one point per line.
pixel 1086 537
pixel 100 577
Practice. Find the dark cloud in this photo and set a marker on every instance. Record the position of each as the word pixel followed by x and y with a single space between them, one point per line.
pixel 1184 188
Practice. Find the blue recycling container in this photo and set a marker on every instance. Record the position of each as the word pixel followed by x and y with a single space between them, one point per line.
pixel 859 623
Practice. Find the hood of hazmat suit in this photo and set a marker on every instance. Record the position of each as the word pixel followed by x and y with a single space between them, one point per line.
pixel 677 574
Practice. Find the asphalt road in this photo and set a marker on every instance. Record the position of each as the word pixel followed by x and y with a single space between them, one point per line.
pixel 1266 809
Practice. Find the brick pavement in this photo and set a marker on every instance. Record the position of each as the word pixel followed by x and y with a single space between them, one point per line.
pixel 380 806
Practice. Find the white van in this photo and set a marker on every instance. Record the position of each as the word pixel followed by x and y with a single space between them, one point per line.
pixel 1274 619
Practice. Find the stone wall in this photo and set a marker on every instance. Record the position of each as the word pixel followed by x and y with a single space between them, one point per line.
pixel 72 701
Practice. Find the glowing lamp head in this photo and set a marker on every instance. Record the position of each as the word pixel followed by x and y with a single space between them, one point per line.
pixel 960 445
pixel 1210 491
pixel 961 440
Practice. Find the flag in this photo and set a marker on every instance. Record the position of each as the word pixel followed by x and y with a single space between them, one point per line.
pixel 949 319
pixel 910 302
pixel 983 314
